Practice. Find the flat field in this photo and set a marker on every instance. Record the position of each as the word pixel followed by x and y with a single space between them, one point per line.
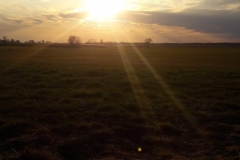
pixel 119 103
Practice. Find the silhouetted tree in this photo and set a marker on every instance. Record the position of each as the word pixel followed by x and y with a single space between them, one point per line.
pixel 12 41
pixel 31 41
pixel 77 40
pixel 74 40
pixel 148 41
pixel 92 40
pixel 5 40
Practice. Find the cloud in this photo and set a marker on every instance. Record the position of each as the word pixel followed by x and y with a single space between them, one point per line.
pixel 179 5
pixel 156 5
pixel 178 34
pixel 74 15
pixel 51 17
pixel 207 21
pixel 163 20
pixel 10 19
pixel 233 5
pixel 35 20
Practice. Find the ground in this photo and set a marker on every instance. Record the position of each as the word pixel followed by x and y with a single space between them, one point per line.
pixel 119 103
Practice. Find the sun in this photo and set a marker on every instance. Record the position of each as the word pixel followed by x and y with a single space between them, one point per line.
pixel 103 9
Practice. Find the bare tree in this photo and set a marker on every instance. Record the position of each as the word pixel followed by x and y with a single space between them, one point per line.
pixel 148 41
pixel 74 40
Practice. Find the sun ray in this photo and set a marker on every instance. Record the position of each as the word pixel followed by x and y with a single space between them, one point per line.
pixel 169 92
pixel 139 93
pixel 166 88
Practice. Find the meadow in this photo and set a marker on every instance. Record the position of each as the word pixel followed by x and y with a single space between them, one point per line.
pixel 119 103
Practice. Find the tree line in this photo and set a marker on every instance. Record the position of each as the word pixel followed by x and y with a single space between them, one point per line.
pixel 5 41
pixel 76 41
pixel 72 40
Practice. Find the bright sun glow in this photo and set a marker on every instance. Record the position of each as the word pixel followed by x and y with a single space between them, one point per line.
pixel 103 9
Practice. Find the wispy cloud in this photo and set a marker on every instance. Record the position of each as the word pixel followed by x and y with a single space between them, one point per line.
pixel 51 17
pixel 21 20
pixel 75 15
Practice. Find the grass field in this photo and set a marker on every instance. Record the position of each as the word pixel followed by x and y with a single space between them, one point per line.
pixel 119 103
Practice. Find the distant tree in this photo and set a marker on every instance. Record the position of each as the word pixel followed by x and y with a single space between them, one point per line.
pixel 92 40
pixel 74 40
pixel 12 41
pixel 148 41
pixel 77 40
pixel 5 40
pixel 17 41
pixel 71 40
pixel 31 41
pixel 101 41
pixel 43 41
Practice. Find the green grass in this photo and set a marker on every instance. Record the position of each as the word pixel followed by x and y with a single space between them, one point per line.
pixel 105 103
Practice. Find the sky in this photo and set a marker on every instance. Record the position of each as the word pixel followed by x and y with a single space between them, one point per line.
pixel 171 21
